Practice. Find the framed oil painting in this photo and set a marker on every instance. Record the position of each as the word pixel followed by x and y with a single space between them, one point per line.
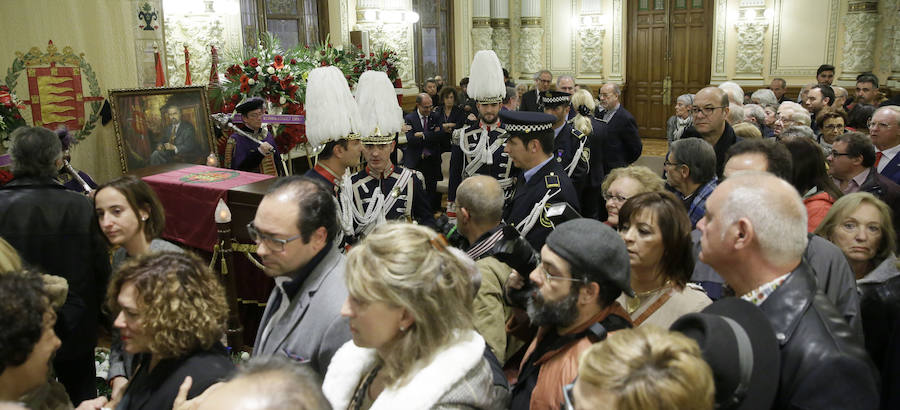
pixel 156 126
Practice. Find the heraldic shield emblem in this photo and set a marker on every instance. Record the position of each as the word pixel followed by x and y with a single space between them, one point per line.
pixel 56 88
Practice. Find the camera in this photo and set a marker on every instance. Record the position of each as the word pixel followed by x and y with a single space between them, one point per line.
pixel 516 252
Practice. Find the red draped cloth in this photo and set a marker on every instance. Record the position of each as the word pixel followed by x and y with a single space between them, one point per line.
pixel 190 196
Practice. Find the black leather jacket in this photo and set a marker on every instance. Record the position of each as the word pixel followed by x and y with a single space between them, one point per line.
pixel 880 307
pixel 823 363
pixel 55 231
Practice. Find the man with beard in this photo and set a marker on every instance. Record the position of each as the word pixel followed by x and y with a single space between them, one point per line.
pixel 584 267
pixel 479 149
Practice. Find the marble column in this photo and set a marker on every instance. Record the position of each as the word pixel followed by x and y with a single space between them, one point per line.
pixel 531 52
pixel 590 38
pixel 859 36
pixel 481 26
pixel 500 30
pixel 751 29
pixel 890 52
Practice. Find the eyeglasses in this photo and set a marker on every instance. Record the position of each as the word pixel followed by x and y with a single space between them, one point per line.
pixel 873 124
pixel 667 163
pixel 552 277
pixel 617 198
pixel 707 111
pixel 838 154
pixel 568 393
pixel 852 227
pixel 273 244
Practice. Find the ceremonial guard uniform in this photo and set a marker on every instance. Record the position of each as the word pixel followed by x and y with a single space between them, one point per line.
pixel 571 148
pixel 537 188
pixel 383 191
pixel 479 149
pixel 243 154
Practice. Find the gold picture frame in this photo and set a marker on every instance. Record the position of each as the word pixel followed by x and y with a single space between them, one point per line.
pixel 147 132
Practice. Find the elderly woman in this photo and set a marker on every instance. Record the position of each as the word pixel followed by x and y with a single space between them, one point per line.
pixel 860 224
pixel 646 368
pixel 811 179
pixel 771 111
pixel 624 183
pixel 170 310
pixel 831 122
pixel 682 119
pixel 411 319
pixel 763 97
pixel 657 234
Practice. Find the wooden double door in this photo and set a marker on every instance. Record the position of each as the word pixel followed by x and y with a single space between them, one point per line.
pixel 668 50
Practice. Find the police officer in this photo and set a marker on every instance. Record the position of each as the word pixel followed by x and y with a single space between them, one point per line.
pixel 571 148
pixel 543 180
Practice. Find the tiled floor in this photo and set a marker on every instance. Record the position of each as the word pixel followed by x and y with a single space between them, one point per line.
pixel 654 154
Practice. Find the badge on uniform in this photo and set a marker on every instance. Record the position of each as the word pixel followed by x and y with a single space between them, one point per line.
pixel 586 155
pixel 551 181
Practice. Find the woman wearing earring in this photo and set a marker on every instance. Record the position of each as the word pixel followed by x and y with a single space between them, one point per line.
pixel 131 218
pixel 414 345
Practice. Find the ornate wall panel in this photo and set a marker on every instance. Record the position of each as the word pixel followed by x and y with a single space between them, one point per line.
pixel 750 36
pixel 616 70
pixel 561 32
pixel 795 50
pixel 590 42
pixel 500 40
pixel 718 73
pixel 531 50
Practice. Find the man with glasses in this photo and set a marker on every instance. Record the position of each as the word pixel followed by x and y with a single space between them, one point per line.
pixel 294 229
pixel 531 100
pixel 884 129
pixel 709 113
pixel 245 155
pixel 691 170
pixel 852 165
pixel 584 267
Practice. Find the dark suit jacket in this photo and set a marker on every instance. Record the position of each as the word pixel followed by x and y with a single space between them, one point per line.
pixel 423 153
pixel 617 141
pixel 892 169
pixel 727 139
pixel 185 140
pixel 157 389
pixel 530 101
pixel 529 193
pixel 886 190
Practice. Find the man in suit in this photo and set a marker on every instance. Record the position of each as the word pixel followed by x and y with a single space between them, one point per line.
pixel 531 100
pixel 852 165
pixel 294 228
pixel 424 145
pixel 179 140
pixel 621 145
pixel 779 87
pixel 884 129
pixel 543 181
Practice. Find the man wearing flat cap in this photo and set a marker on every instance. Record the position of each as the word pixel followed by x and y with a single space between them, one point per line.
pixel 242 153
pixel 572 300
pixel 543 180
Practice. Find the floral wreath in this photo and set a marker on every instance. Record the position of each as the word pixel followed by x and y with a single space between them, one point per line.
pixel 34 56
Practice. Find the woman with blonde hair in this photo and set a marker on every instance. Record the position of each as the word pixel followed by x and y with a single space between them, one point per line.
pixel 624 183
pixel 410 314
pixel 583 103
pixel 170 310
pixel 644 368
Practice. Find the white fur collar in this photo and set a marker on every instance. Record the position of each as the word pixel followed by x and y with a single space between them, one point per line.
pixel 429 384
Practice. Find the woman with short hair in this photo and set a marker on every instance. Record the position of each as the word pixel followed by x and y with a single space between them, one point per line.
pixel 682 119
pixel 170 310
pixel 657 233
pixel 410 315
pixel 831 122
pixel 624 183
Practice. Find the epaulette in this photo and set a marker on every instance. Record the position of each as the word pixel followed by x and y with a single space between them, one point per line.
pixel 420 176
pixel 577 133
pixel 551 181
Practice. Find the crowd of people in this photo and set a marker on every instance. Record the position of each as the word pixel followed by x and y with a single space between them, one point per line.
pixel 758 270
